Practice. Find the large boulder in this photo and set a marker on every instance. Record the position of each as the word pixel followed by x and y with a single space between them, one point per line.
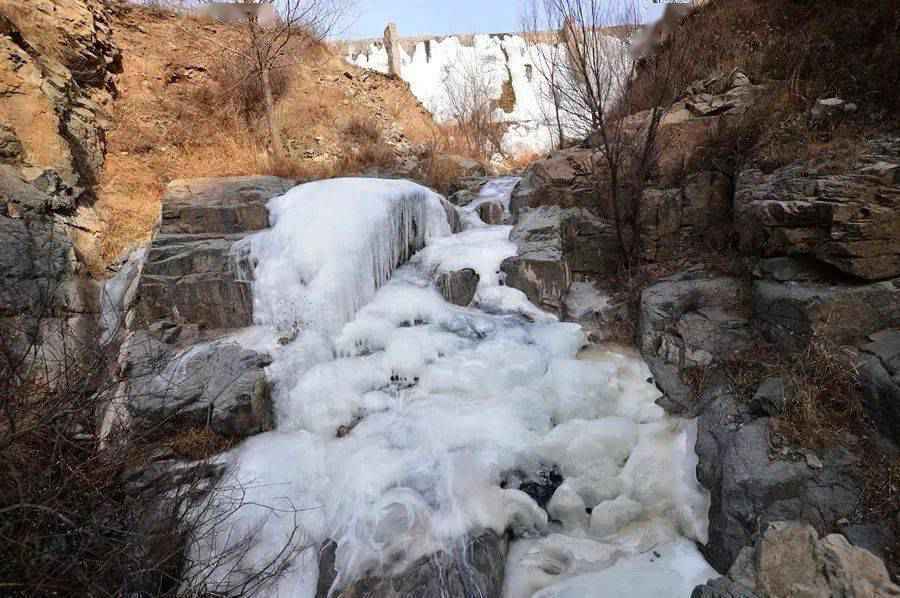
pixel 790 314
pixel 749 487
pixel 694 319
pixel 879 376
pixel 789 559
pixel 850 220
pixel 219 385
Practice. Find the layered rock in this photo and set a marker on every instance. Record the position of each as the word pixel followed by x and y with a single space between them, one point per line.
pixel 850 220
pixel 192 275
pixel 790 559
pixel 459 287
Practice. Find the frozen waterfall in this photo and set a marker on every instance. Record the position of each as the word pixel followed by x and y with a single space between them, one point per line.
pixel 406 424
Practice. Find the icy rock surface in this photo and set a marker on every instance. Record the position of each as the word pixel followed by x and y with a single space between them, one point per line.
pixel 400 416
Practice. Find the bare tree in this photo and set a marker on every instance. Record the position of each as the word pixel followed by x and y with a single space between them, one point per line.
pixel 276 43
pixel 590 78
pixel 469 88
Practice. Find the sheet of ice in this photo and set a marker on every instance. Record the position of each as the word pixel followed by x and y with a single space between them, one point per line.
pixel 497 60
pixel 399 426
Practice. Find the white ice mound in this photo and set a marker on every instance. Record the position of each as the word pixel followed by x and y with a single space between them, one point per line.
pixel 406 424
pixel 333 243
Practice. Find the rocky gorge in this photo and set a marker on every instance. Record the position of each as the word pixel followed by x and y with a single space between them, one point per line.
pixel 460 310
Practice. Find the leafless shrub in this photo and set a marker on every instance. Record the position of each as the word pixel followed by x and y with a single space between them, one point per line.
pixel 91 512
pixel 469 90
pixel 589 76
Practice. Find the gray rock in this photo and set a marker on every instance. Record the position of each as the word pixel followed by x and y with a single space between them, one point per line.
pixel 748 488
pixel 18 197
pixel 879 376
pixel 474 568
pixel 459 287
pixel 790 314
pixel 491 212
pixel 219 205
pixel 219 385
pixel 789 269
pixel 540 269
pixel 874 537
pixel 11 150
pixel 694 320
pixel 192 280
pixel 769 398
pixel 722 587
pixel 453 218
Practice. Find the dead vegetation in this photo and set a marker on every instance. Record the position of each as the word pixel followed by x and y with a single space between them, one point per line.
pixel 184 110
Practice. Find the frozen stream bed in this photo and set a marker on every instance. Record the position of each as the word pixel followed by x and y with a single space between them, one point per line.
pixel 406 424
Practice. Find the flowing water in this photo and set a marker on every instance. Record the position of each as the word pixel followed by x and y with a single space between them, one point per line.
pixel 406 424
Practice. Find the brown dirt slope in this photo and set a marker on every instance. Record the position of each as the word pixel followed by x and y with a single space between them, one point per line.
pixel 179 115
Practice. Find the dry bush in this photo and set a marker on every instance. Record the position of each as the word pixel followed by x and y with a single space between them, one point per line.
pixel 91 511
pixel 822 48
pixel 362 129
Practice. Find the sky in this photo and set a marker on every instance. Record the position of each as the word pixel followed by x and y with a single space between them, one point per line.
pixel 442 17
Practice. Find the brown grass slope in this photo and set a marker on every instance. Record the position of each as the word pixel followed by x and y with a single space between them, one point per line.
pixel 184 111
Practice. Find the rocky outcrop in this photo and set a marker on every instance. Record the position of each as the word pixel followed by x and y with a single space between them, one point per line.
pixel 790 314
pixel 475 568
pixel 192 276
pixel 563 179
pixel 750 487
pixel 694 319
pixel 850 220
pixel 879 376
pixel 217 385
pixel 790 559
pixel 192 289
pixel 539 268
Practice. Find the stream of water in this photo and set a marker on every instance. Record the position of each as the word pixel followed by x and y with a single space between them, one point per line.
pixel 406 424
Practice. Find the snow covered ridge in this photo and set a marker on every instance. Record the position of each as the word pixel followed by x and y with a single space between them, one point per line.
pixel 500 59
pixel 406 424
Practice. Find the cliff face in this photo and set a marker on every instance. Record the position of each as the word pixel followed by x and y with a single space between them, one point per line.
pixel 57 78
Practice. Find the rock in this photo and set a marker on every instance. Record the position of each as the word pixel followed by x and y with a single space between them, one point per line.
pixel 474 568
pixel 791 314
pixel 219 385
pixel 453 217
pixel 874 537
pixel 789 559
pixel 850 220
pixel 563 179
pixel 491 212
pixel 749 489
pixel 540 269
pixel 11 151
pixel 463 197
pixel 192 274
pixel 194 281
pixel 769 398
pixel 459 287
pixel 789 269
pixel 594 310
pixel 694 320
pixel 830 110
pixel 722 587
pixel 219 205
pixel 879 376
pixel 460 166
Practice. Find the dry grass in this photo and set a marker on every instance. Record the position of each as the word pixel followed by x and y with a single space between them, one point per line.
pixel 185 112
pixel 823 48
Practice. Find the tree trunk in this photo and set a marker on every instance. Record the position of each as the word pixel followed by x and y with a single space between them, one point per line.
pixel 274 128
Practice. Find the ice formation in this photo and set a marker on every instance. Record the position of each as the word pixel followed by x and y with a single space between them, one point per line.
pixel 404 422
pixel 497 60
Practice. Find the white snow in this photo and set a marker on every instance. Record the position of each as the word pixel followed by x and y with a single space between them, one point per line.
pixel 399 416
